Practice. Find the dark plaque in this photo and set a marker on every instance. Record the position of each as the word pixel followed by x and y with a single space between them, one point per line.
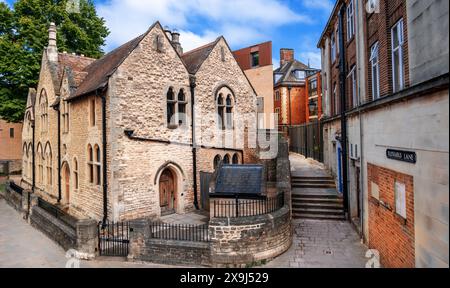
pixel 404 156
pixel 240 180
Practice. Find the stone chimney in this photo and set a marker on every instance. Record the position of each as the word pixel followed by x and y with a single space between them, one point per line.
pixel 168 32
pixel 286 55
pixel 52 49
pixel 176 42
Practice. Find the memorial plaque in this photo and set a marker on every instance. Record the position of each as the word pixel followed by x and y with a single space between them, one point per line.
pixel 242 180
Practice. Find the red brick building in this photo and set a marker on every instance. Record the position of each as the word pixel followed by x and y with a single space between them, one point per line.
pixel 297 97
pixel 385 86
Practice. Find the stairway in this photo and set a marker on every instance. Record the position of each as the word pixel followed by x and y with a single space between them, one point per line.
pixel 316 198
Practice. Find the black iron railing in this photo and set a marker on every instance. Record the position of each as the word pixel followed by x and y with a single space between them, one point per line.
pixel 238 208
pixel 179 232
pixel 58 213
pixel 16 188
pixel 114 238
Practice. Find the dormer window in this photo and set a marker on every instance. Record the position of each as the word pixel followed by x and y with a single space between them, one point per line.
pixel 278 77
pixel 300 74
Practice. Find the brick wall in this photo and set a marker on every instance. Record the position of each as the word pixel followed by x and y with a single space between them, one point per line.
pixel 378 28
pixel 389 233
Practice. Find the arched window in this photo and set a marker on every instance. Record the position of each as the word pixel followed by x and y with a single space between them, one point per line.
pixel 48 164
pixel 226 160
pixel 220 112
pixel 28 122
pixel 235 159
pixel 40 164
pixel 30 161
pixel 217 160
pixel 225 108
pixel 229 110
pixel 182 103
pixel 90 164
pixel 25 161
pixel 171 103
pixel 43 107
pixel 97 164
pixel 75 173
pixel 65 116
pixel 159 44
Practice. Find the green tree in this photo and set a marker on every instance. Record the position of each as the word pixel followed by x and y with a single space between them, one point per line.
pixel 24 35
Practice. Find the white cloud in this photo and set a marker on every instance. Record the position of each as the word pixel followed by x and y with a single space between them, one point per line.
pixel 191 40
pixel 241 22
pixel 313 58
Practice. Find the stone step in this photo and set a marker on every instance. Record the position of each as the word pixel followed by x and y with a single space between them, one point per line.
pixel 303 201
pixel 318 205
pixel 313 185
pixel 323 196
pixel 318 217
pixel 313 182
pixel 312 178
pixel 315 211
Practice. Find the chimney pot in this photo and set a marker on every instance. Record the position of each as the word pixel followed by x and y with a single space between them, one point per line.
pixel 176 42
pixel 52 49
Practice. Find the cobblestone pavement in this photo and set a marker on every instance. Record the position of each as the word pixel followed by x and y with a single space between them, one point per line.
pixel 22 246
pixel 320 243
pixel 323 244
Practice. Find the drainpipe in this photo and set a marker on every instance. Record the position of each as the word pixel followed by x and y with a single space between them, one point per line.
pixel 342 76
pixel 105 174
pixel 33 185
pixel 58 110
pixel 290 106
pixel 361 128
pixel 192 82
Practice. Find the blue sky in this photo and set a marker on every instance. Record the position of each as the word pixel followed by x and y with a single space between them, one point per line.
pixel 293 24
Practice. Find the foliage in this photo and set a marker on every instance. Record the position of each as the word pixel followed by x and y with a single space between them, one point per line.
pixel 24 35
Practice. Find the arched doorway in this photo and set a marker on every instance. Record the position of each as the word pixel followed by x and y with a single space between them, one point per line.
pixel 167 192
pixel 66 184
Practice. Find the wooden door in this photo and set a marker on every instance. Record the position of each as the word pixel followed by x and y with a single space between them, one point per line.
pixel 167 192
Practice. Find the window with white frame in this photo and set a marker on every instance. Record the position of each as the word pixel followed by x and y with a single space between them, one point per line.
pixel 398 76
pixel 375 71
pixel 353 88
pixel 336 100
pixel 350 21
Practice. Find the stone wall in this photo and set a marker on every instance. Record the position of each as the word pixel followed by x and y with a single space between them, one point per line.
pixel 144 248
pixel 13 198
pixel 234 242
pixel 237 242
pixel 53 228
pixel 83 237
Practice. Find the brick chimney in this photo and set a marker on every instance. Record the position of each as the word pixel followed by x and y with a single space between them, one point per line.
pixel 286 55
pixel 52 49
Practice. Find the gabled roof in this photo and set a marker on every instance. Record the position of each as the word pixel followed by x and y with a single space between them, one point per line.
pixel 195 58
pixel 288 69
pixel 99 71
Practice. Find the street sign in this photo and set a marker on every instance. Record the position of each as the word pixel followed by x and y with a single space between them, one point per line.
pixel 404 156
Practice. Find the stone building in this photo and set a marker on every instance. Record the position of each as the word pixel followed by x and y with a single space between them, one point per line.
pixel 295 90
pixel 256 61
pixel 127 136
pixel 385 86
